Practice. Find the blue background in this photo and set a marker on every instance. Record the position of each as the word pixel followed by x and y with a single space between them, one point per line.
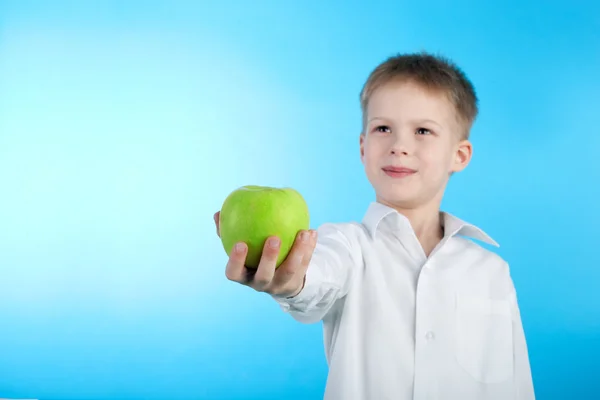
pixel 123 126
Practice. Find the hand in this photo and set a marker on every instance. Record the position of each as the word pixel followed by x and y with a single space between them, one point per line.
pixel 287 280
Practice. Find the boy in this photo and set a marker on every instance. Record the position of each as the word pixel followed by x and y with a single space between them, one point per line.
pixel 411 307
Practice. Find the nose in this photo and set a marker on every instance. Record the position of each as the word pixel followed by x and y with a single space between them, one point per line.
pixel 401 145
pixel 398 151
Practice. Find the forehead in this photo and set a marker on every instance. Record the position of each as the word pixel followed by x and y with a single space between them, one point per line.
pixel 409 100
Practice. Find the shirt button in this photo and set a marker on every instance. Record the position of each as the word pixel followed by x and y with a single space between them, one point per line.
pixel 429 336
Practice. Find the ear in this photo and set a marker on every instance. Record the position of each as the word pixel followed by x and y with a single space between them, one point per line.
pixel 462 156
pixel 362 147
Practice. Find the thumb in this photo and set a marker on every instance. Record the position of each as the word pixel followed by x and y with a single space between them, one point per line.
pixel 216 219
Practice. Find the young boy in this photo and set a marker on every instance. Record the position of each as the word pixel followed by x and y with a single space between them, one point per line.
pixel 411 307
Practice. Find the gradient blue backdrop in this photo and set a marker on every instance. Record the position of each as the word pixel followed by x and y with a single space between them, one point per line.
pixel 123 125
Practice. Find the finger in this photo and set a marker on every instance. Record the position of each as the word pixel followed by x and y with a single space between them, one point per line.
pixel 295 263
pixel 266 266
pixel 309 252
pixel 235 269
pixel 216 219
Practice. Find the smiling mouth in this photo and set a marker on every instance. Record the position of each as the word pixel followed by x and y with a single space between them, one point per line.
pixel 398 172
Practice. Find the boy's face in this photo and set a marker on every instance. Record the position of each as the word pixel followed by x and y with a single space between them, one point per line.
pixel 411 144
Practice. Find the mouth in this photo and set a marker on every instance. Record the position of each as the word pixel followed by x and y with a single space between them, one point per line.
pixel 398 172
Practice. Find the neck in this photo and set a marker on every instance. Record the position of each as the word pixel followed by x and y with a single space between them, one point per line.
pixel 425 222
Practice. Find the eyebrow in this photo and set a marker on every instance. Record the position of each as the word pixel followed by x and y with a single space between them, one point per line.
pixel 424 120
pixel 431 122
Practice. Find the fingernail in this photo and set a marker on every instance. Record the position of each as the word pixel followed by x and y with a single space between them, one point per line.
pixel 240 247
pixel 273 243
pixel 313 234
pixel 304 236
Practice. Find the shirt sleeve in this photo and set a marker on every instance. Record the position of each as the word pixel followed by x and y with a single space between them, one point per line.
pixel 522 370
pixel 327 279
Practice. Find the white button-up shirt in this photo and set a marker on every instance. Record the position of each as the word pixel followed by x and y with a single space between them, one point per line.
pixel 400 325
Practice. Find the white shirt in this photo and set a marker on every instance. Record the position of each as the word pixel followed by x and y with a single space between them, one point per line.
pixel 398 325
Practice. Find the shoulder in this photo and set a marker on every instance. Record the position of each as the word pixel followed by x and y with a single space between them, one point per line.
pixel 474 252
pixel 482 265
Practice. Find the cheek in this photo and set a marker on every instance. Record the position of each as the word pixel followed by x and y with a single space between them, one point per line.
pixel 372 164
pixel 369 160
pixel 370 153
pixel 435 160
pixel 428 154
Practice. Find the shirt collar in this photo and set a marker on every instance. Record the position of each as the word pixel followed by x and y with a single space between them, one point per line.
pixel 378 213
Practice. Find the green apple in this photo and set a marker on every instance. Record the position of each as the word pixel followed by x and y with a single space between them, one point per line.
pixel 251 214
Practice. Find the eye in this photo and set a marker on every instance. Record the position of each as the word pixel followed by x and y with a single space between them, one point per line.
pixel 423 131
pixel 382 129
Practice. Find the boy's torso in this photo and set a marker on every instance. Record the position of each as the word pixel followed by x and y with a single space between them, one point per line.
pixel 418 327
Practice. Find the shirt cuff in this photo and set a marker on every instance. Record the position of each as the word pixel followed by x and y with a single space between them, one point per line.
pixel 302 300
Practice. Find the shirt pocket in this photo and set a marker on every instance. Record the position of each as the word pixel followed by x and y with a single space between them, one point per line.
pixel 484 340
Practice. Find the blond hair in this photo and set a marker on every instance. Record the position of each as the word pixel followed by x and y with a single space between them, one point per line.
pixel 432 73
